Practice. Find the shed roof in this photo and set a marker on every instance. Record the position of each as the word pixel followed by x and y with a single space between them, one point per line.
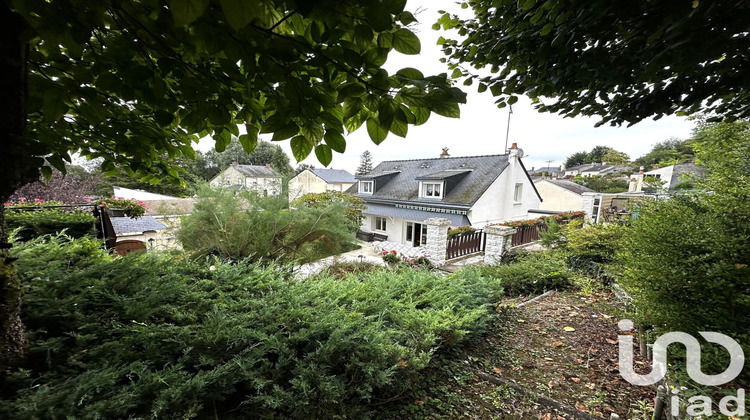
pixel 568 185
pixel 124 225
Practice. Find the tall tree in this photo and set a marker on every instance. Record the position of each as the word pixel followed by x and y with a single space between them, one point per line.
pixel 577 158
pixel 134 81
pixel 72 188
pixel 365 163
pixel 621 61
pixel 668 152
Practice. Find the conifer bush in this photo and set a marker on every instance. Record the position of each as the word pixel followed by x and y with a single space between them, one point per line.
pixel 530 273
pixel 166 336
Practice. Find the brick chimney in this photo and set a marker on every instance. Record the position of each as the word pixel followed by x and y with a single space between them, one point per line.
pixel 268 165
pixel 234 163
pixel 445 153
pixel 515 151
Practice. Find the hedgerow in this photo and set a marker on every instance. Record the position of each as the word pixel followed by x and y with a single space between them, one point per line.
pixel 165 336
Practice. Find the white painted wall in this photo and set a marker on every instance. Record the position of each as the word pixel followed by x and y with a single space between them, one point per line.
pixel 395 228
pixel 271 185
pixel 497 205
pixel 307 182
pixel 558 198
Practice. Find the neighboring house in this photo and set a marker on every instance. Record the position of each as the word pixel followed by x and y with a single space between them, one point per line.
pixel 157 228
pixel 669 175
pixel 560 194
pixel 594 169
pixel 401 194
pixel 557 171
pixel 318 181
pixel 260 179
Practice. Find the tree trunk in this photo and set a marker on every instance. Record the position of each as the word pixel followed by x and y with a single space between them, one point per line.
pixel 19 167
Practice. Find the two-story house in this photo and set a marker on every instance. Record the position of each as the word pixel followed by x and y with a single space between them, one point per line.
pixel 477 190
pixel 261 179
pixel 318 181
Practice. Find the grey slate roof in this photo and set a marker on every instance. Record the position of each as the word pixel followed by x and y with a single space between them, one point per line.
pixel 258 171
pixel 444 174
pixel 124 225
pixel 569 185
pixel 413 214
pixel 404 184
pixel 332 176
pixel 685 168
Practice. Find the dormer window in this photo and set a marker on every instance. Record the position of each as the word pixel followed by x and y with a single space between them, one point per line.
pixel 365 187
pixel 432 189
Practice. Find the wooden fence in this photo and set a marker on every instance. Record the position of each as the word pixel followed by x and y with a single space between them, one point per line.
pixel 465 244
pixel 527 234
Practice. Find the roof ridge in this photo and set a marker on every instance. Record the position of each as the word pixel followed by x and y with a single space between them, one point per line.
pixel 443 158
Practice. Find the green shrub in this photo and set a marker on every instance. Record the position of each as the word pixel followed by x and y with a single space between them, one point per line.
pixel 32 224
pixel 245 226
pixel 163 336
pixel 531 273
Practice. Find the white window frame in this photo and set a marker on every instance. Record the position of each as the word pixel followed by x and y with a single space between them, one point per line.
pixel 379 223
pixel 518 193
pixel 363 187
pixel 429 189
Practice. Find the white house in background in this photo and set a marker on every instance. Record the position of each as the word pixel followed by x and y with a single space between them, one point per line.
pixel 140 194
pixel 260 179
pixel 670 175
pixel 560 194
pixel 478 190
pixel 318 181
pixel 594 169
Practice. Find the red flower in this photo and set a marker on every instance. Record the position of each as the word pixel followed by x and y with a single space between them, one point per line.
pixel 393 252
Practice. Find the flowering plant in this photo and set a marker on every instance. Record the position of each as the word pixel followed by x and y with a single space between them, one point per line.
pixel 132 208
pixel 458 230
pixel 37 202
pixel 391 257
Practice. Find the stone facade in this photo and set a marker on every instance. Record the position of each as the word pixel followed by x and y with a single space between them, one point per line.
pixel 497 243
pixel 588 206
pixel 437 239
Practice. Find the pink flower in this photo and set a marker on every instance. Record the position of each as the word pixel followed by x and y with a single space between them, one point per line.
pixel 21 198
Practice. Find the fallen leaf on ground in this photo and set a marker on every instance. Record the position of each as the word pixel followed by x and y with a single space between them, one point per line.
pixel 498 370
pixel 580 406
pixel 576 380
pixel 569 329
pixel 557 343
pixel 577 360
pixel 610 341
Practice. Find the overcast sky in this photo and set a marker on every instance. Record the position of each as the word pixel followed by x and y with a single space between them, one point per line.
pixel 482 127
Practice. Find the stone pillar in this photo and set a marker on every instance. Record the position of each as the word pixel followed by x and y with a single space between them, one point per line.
pixel 497 243
pixel 437 240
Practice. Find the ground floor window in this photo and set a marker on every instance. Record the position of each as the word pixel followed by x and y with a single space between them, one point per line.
pixel 380 223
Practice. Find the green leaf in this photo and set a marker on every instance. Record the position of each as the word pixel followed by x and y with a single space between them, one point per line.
pixel 411 73
pixel 447 109
pixel 53 107
pixel 376 132
pixel 313 132
pixel 185 12
pixel 376 57
pixel 163 118
pixel 301 147
pixel 57 162
pixel 46 172
pixel 223 138
pixel 249 142
pixel 335 140
pixel 352 107
pixel 386 112
pixel 406 18
pixel 405 42
pixel 288 131
pixel 372 102
pixel 324 154
pixel 421 114
pixel 378 17
pixel 399 127
pixel 238 13
pixel 363 36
